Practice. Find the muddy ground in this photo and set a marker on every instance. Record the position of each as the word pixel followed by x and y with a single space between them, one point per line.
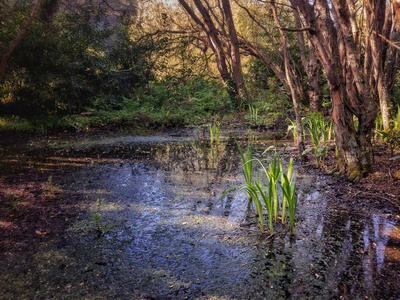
pixel 124 217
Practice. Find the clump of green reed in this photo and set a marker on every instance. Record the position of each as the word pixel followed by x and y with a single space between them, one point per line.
pixel 214 132
pixel 321 134
pixel 253 113
pixel 288 186
pixel 265 194
pixel 275 176
pixel 292 128
pixel 392 136
pixel 248 186
pixel 97 214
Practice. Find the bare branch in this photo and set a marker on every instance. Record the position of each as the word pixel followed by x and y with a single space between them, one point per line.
pixel 309 29
pixel 391 43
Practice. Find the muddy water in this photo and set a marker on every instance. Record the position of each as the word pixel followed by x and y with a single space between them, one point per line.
pixel 166 234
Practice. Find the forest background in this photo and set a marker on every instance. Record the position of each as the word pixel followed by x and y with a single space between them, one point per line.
pixel 145 63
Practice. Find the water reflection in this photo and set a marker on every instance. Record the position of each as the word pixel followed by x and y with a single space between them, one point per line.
pixel 175 238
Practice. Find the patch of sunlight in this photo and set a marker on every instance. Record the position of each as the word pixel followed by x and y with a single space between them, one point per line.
pixel 7 225
pixel 392 254
pixel 52 255
pixel 395 234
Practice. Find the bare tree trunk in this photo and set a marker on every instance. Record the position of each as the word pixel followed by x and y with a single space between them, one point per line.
pixel 290 82
pixel 235 54
pixel 353 150
pixel 313 73
pixel 311 66
pixel 384 102
pixel 19 37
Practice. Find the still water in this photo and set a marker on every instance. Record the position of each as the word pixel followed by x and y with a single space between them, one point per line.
pixel 168 234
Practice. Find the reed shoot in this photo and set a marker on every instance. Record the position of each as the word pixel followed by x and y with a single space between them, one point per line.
pixel 214 133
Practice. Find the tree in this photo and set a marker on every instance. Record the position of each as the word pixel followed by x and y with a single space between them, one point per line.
pixel 353 78
pixel 224 45
pixel 289 72
pixel 310 65
pixel 6 56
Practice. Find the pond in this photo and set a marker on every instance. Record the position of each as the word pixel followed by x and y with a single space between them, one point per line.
pixel 166 233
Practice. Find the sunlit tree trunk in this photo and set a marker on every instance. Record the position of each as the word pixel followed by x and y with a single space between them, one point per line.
pixel 235 54
pixel 290 81
pixel 234 81
pixel 353 93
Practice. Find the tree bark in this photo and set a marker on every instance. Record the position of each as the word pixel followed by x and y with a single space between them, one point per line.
pixel 353 93
pixel 19 37
pixel 313 74
pixel 290 82
pixel 235 54
pixel 311 66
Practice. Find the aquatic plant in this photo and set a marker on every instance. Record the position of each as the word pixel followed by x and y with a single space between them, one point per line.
pixel 253 113
pixel 214 132
pixel 96 215
pixel 288 186
pixel 292 128
pixel 321 133
pixel 248 186
pixel 392 136
pixel 274 171
pixel 268 201
pixel 256 188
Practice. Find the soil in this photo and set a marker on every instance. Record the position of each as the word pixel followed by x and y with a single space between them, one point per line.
pixel 110 216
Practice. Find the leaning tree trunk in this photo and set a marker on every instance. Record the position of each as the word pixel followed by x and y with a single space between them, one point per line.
pixel 212 34
pixel 19 37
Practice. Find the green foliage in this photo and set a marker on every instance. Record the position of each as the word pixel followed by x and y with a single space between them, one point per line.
pixel 392 136
pixel 214 133
pixel 288 186
pixel 378 125
pixel 292 128
pixel 180 102
pixel 321 134
pixel 76 62
pixel 253 111
pixel 269 103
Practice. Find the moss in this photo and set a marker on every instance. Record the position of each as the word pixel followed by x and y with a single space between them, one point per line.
pixel 357 172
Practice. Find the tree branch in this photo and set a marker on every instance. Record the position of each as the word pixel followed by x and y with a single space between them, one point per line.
pixel 391 43
pixel 310 29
